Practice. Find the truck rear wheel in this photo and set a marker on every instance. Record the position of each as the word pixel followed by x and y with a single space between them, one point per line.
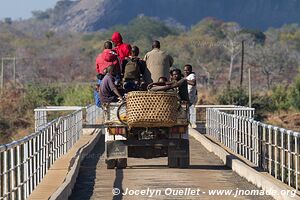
pixel 179 156
pixel 122 163
pixel 178 162
pixel 111 164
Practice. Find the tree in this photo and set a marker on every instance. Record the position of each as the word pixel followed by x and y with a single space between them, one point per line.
pixel 8 20
pixel 232 43
pixel 40 15
pixel 273 59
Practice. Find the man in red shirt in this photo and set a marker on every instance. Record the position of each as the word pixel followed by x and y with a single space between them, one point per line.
pixel 107 58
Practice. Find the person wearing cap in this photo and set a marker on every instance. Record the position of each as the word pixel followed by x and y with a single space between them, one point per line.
pixel 158 63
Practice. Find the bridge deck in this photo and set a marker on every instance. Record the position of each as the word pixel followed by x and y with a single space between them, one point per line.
pixel 207 172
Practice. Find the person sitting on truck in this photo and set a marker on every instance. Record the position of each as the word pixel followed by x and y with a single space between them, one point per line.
pixel 162 79
pixel 181 84
pixel 133 70
pixel 106 58
pixel 108 91
pixel 176 82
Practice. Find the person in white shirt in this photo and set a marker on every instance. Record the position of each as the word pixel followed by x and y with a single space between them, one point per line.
pixel 192 90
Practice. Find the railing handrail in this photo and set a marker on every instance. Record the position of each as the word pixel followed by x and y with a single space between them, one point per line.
pixel 5 147
pixel 272 148
pixel 225 107
pixel 59 108
pixel 24 162
pixel 25 139
pixel 288 131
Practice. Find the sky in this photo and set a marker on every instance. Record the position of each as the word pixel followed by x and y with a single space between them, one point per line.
pixel 16 9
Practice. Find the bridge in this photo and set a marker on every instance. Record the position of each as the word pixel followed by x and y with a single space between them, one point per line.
pixel 232 157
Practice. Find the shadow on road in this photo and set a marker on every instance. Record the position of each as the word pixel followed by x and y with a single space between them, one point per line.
pixel 85 182
pixel 118 184
pixel 204 167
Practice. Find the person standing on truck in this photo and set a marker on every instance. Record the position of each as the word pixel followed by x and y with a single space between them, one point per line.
pixel 158 63
pixel 133 70
pixel 108 91
pixel 192 90
pixel 123 49
pixel 181 84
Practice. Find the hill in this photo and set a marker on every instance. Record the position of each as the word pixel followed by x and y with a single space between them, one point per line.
pixel 94 15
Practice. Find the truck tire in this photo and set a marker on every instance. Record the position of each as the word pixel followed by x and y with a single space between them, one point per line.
pixel 179 161
pixel 111 164
pixel 184 162
pixel 173 162
pixel 122 163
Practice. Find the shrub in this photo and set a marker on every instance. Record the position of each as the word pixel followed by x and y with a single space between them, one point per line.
pixel 280 98
pixel 295 94
pixel 78 95
pixel 37 95
pixel 233 96
pixel 262 105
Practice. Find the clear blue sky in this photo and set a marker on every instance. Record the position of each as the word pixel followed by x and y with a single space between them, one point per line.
pixel 22 8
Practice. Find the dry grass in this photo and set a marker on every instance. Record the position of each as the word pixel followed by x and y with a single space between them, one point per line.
pixel 12 119
pixel 288 120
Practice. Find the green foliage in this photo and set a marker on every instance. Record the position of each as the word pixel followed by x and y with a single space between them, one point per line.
pixel 40 15
pixel 233 96
pixel 259 36
pixel 141 31
pixel 37 95
pixel 49 34
pixel 57 95
pixel 262 105
pixel 8 20
pixel 78 95
pixel 280 98
pixel 295 93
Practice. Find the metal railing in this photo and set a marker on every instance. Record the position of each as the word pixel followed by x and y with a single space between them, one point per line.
pixel 24 163
pixel 274 149
pixel 93 113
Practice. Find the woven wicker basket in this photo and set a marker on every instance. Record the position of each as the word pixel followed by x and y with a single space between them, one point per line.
pixel 151 109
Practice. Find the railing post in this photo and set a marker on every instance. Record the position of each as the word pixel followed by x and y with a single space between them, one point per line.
pixel 270 149
pixel 26 177
pixel 19 191
pixel 296 162
pixel 5 177
pixel 12 173
pixel 282 154
pixel 275 152
pixel 289 157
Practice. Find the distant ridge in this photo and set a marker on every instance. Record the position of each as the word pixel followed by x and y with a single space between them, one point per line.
pixel 93 15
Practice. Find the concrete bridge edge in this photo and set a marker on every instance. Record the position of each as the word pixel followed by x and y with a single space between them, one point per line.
pixel 260 179
pixel 65 190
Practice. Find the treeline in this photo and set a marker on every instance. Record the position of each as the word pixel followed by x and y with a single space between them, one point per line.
pixel 213 47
